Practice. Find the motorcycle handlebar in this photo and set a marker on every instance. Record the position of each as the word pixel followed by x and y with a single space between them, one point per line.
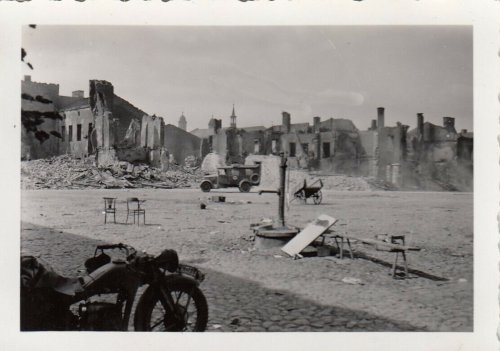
pixel 129 249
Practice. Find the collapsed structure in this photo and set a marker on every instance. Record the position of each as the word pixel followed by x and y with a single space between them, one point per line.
pixel 106 125
pixel 428 157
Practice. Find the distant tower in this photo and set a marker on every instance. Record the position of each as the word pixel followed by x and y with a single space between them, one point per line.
pixel 233 119
pixel 182 122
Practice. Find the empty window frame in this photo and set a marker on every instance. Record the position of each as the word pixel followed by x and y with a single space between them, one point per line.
pixel 63 133
pixel 256 146
pixel 326 150
pixel 78 132
pixel 70 133
pixel 274 146
pixel 292 150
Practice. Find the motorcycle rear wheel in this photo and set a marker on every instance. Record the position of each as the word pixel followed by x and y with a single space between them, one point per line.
pixel 151 315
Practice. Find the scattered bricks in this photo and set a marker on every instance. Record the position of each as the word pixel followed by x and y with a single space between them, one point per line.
pixel 66 172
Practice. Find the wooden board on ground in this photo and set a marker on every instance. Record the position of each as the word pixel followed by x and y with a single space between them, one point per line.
pixel 310 233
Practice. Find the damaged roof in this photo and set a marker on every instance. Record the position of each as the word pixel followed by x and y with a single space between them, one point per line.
pixel 66 103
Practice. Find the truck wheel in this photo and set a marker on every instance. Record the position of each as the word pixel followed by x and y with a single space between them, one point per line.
pixel 245 186
pixel 206 187
pixel 255 178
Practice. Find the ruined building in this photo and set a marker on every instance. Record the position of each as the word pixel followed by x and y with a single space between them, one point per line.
pixel 408 159
pixel 112 129
pixel 385 149
pixel 439 154
pixel 103 124
pixel 40 103
pixel 332 145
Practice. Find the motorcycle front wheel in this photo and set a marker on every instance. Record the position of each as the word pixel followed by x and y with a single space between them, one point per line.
pixel 189 300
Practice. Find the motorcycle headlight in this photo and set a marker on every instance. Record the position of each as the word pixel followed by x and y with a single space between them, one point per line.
pixel 168 260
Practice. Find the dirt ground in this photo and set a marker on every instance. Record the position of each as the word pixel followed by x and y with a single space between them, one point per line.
pixel 63 225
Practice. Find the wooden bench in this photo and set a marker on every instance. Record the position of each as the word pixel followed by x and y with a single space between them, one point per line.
pixel 390 243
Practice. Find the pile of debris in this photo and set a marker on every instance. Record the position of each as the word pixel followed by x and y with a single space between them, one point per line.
pixel 66 172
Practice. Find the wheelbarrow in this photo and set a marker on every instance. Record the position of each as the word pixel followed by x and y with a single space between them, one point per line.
pixel 312 190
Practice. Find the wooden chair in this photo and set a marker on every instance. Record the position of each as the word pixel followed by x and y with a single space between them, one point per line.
pixel 134 209
pixel 109 207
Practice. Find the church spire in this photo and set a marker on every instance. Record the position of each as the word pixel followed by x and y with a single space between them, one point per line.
pixel 182 122
pixel 233 119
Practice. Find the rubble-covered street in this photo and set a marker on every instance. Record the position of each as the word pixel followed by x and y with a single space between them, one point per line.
pixel 251 289
pixel 67 172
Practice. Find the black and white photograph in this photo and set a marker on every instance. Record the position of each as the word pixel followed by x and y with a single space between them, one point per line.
pixel 289 180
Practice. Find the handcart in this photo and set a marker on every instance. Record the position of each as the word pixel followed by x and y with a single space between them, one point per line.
pixel 307 191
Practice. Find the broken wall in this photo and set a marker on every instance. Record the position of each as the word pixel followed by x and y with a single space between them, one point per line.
pixel 101 98
pixel 31 147
pixel 125 112
pixel 218 143
pixel 346 154
pixel 181 144
pixel 253 142
pixel 80 145
pixel 440 157
pixel 101 104
pixel 303 144
pixel 152 132
pixel 391 149
pixel 369 144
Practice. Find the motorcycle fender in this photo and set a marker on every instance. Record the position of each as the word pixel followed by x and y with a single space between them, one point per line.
pixel 171 278
pixel 167 280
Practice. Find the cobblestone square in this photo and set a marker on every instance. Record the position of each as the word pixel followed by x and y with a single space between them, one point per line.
pixel 258 290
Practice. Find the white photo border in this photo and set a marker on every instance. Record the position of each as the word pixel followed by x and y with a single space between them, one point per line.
pixel 483 16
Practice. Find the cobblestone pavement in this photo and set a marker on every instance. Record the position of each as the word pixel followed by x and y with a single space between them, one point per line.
pixel 235 304
pixel 312 290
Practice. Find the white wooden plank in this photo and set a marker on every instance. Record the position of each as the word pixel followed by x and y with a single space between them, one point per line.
pixel 310 233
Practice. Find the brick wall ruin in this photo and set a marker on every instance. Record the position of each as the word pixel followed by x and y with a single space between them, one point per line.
pixel 181 144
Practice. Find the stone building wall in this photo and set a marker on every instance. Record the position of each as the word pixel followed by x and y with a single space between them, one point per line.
pixel 77 145
pixel 31 147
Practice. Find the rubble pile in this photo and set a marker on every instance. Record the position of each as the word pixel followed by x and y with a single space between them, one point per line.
pixel 66 172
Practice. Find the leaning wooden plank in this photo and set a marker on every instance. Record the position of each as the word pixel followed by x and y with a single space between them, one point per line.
pixel 308 235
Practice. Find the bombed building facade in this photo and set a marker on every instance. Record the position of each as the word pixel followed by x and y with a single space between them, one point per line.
pixel 112 129
pixel 428 157
pixel 103 124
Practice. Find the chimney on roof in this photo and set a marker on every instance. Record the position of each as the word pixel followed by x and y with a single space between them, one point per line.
pixel 448 122
pixel 380 117
pixel 286 121
pixel 27 78
pixel 77 94
pixel 374 125
pixel 420 123
pixel 316 124
pixel 463 131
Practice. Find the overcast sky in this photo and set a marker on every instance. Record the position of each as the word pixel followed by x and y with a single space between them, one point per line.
pixel 340 72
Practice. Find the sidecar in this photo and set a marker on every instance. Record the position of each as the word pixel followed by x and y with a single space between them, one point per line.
pixel 45 297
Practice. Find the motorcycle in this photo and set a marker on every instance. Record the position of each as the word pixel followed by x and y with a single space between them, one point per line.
pixel 103 298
